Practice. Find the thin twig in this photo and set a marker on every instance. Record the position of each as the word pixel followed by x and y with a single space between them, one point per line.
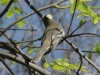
pixel 25 56
pixel 6 66
pixel 64 66
pixel 31 42
pixel 6 8
pixel 80 66
pixel 77 28
pixel 19 29
pixel 43 8
pixel 72 18
pixel 65 49
pixel 80 34
pixel 33 8
pixel 77 50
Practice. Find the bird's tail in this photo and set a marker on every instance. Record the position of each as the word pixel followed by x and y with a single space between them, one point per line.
pixel 39 55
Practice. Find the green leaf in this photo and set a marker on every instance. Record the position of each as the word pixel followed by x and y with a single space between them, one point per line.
pixel 18 10
pixel 46 65
pixel 80 0
pixel 85 10
pixel 84 69
pixel 10 13
pixel 63 65
pixel 96 20
pixel 89 55
pixel 4 2
pixel 1 1
pixel 14 62
pixel 60 64
pixel 21 23
pixel 79 15
pixel 97 48
pixel 72 1
pixel 58 67
pixel 75 67
pixel 81 22
pixel 69 72
pixel 72 8
pixel 31 50
pixel 15 1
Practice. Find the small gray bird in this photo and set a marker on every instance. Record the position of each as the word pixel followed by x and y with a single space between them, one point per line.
pixel 53 34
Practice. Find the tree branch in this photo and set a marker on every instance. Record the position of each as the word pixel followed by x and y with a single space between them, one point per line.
pixel 6 66
pixel 21 61
pixel 43 8
pixel 77 50
pixel 6 8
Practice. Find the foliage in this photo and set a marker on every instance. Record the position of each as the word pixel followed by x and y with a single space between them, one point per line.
pixel 21 23
pixel 4 2
pixel 31 50
pixel 14 11
pixel 96 48
pixel 84 10
pixel 63 65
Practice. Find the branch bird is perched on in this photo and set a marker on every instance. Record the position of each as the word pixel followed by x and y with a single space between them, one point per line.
pixel 53 34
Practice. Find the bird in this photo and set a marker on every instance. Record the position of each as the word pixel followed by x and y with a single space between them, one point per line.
pixel 52 35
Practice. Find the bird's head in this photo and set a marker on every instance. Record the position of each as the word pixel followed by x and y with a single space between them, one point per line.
pixel 49 16
pixel 47 19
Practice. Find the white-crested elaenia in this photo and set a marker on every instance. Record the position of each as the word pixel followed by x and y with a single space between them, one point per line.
pixel 51 37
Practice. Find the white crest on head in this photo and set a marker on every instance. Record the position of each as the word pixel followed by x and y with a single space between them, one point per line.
pixel 50 16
